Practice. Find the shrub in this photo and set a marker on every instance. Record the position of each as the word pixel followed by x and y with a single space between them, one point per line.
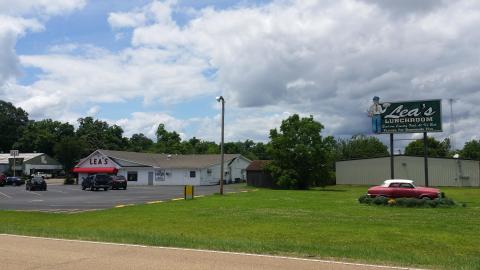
pixel 69 181
pixel 444 202
pixel 380 200
pixel 364 198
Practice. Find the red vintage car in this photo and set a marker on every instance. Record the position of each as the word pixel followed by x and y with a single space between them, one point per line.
pixel 400 188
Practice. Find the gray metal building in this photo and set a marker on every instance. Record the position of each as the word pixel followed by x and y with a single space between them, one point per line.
pixel 29 163
pixel 442 171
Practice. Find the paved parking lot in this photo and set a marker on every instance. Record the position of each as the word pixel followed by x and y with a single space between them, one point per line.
pixel 71 198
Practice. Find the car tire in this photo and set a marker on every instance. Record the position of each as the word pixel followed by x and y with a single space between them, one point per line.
pixel 125 188
pixel 425 198
pixel 83 187
pixel 105 188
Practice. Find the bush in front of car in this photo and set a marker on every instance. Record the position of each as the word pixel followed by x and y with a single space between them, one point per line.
pixel 365 199
pixel 69 181
pixel 380 200
pixel 409 202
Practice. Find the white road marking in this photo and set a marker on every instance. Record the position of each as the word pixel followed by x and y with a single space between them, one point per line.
pixel 154 202
pixel 74 189
pixel 34 193
pixel 59 191
pixel 3 194
pixel 217 252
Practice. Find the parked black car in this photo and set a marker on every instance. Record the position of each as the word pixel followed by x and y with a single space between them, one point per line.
pixel 119 181
pixel 14 181
pixel 36 183
pixel 97 181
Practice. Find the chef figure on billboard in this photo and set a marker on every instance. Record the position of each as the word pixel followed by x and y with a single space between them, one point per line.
pixel 375 112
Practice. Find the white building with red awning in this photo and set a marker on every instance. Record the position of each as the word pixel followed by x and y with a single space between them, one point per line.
pixel 163 169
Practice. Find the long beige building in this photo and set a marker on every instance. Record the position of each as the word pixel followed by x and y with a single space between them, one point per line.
pixel 442 171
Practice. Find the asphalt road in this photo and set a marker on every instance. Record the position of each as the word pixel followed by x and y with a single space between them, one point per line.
pixel 71 198
pixel 20 253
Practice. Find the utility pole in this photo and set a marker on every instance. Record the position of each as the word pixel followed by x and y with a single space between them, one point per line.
pixel 14 153
pixel 222 173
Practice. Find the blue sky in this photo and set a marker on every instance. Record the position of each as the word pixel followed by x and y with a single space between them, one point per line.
pixel 139 63
pixel 90 26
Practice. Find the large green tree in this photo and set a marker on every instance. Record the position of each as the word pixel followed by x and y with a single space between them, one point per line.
pixel 68 151
pixel 259 151
pixel 12 121
pixel 435 148
pixel 100 135
pixel 471 150
pixel 197 146
pixel 139 143
pixel 167 141
pixel 41 136
pixel 302 157
pixel 360 146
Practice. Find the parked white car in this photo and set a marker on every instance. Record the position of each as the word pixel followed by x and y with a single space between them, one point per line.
pixel 41 174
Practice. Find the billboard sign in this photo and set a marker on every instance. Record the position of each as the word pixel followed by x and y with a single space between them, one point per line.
pixel 411 116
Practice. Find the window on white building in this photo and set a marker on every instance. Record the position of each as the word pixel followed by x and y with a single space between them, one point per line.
pixel 160 175
pixel 209 172
pixel 193 174
pixel 132 176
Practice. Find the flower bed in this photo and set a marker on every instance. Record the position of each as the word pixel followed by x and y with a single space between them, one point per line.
pixel 409 202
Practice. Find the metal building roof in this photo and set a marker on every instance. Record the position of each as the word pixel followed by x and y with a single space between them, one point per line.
pixel 124 158
pixel 26 157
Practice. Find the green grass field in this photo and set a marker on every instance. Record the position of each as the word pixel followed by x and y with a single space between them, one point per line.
pixel 327 224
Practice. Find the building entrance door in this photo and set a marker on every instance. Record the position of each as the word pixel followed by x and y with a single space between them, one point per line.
pixel 150 178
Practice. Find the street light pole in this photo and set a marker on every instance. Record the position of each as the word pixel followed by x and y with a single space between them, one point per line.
pixel 221 99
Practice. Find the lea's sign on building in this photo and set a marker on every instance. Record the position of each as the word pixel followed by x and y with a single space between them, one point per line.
pixel 411 116
pixel 97 161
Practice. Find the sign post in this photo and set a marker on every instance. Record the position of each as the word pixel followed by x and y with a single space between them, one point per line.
pixel 425 156
pixel 14 153
pixel 392 164
pixel 189 192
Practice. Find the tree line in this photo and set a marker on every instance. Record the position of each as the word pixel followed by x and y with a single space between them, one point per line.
pixel 69 144
pixel 301 156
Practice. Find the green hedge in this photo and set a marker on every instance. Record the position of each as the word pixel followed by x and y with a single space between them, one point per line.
pixel 409 202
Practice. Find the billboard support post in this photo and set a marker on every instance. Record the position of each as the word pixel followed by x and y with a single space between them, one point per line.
pixel 392 165
pixel 425 156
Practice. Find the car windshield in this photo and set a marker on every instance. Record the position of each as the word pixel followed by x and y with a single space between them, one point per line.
pixel 37 179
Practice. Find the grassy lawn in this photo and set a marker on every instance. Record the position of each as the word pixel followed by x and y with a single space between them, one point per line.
pixel 317 223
